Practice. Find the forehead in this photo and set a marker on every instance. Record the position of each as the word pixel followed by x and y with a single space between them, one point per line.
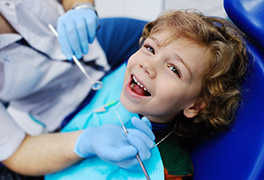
pixel 166 35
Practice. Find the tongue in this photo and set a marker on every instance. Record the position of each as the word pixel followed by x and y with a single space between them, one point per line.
pixel 137 89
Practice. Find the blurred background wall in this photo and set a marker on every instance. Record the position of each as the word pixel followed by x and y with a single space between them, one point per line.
pixel 150 9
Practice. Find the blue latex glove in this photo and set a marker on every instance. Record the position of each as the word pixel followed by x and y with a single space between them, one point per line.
pixel 111 144
pixel 76 29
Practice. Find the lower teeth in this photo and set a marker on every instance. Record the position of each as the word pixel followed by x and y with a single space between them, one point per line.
pixel 132 85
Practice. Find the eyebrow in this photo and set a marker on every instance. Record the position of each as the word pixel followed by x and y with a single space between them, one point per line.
pixel 156 41
pixel 174 54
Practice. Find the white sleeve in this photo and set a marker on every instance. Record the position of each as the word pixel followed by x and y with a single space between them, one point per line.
pixel 11 135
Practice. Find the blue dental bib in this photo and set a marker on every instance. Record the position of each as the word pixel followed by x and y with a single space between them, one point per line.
pixel 94 167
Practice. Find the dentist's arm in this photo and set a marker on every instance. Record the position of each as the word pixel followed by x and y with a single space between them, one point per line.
pixel 77 27
pixel 48 153
pixel 68 4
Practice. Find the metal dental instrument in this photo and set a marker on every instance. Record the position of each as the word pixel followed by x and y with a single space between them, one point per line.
pixel 96 85
pixel 137 156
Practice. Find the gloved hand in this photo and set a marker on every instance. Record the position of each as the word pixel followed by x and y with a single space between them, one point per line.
pixel 111 144
pixel 75 29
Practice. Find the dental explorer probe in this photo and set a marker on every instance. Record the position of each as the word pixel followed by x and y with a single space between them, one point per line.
pixel 137 156
pixel 96 85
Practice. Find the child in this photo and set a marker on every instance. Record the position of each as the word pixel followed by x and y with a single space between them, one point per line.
pixel 185 79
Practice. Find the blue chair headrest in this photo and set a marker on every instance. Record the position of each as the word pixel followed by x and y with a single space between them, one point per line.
pixel 239 153
pixel 248 15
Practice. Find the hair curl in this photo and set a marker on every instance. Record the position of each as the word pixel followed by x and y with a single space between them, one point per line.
pixel 221 85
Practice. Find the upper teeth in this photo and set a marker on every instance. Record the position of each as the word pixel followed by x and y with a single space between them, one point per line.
pixel 138 83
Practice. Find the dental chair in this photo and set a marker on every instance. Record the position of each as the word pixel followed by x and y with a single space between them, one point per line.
pixel 237 154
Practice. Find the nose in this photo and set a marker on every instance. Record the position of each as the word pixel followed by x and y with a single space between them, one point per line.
pixel 148 68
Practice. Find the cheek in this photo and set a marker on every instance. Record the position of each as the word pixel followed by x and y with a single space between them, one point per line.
pixel 130 64
pixel 169 96
pixel 132 58
pixel 135 58
pixel 174 95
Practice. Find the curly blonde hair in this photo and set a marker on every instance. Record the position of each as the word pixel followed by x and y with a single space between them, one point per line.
pixel 222 80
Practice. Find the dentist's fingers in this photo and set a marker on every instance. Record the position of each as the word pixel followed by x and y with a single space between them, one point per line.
pixel 82 34
pixel 143 125
pixel 141 145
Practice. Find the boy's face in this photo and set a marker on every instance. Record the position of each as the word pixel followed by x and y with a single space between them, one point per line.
pixel 163 79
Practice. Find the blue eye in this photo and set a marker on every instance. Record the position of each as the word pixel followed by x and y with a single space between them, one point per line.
pixel 174 69
pixel 150 49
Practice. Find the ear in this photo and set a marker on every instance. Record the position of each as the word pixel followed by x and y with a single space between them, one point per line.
pixel 192 110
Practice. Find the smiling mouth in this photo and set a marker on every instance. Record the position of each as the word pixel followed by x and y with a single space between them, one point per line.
pixel 138 87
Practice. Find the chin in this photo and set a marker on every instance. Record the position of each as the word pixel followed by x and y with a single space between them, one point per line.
pixel 130 106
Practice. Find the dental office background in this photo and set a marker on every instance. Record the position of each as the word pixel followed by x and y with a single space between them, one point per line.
pixel 150 9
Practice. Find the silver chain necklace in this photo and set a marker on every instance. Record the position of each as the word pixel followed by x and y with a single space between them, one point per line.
pixel 123 126
pixel 163 139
